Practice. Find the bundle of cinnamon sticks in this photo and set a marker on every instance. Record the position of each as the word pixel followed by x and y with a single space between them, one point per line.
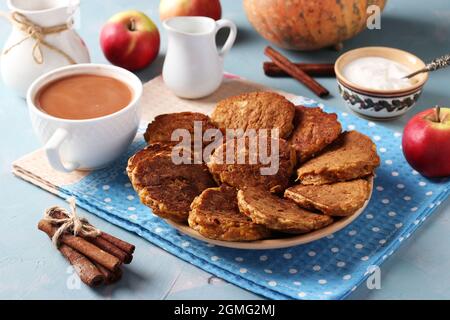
pixel 97 260
pixel 302 72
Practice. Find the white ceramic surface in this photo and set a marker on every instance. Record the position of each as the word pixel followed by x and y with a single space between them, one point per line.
pixel 18 68
pixel 378 107
pixel 193 67
pixel 279 242
pixel 92 143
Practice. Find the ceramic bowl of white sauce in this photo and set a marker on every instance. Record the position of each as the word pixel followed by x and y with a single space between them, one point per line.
pixel 370 80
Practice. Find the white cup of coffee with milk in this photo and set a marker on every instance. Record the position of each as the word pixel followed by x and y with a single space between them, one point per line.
pixel 86 114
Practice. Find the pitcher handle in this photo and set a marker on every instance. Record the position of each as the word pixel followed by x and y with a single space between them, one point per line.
pixel 224 23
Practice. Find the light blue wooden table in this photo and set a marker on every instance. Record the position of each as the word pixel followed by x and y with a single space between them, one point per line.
pixel 31 269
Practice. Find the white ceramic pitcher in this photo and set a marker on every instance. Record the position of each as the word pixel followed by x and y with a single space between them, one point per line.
pixel 20 63
pixel 193 67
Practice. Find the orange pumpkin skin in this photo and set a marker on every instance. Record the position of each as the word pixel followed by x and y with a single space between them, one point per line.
pixel 308 24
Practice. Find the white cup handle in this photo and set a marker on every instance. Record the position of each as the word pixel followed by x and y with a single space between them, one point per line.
pixel 52 150
pixel 224 23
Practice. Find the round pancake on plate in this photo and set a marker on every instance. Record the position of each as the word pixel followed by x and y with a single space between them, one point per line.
pixel 279 214
pixel 215 215
pixel 245 162
pixel 256 110
pixel 167 188
pixel 313 131
pixel 161 129
pixel 353 155
pixel 148 151
pixel 336 199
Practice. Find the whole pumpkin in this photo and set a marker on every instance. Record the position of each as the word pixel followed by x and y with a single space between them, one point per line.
pixel 308 24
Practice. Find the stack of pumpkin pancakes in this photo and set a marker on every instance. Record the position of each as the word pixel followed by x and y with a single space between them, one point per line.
pixel 322 173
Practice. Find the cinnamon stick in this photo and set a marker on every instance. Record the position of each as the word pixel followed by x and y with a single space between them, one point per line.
pixel 111 249
pixel 86 270
pixel 83 246
pixel 123 245
pixel 110 277
pixel 290 68
pixel 312 69
pixel 103 244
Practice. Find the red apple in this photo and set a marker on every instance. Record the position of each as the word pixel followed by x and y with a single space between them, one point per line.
pixel 175 8
pixel 130 40
pixel 426 142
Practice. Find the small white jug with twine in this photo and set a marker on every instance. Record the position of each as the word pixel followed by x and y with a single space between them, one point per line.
pixel 42 39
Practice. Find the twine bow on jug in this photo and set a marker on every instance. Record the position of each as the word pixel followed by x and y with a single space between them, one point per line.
pixel 70 223
pixel 37 33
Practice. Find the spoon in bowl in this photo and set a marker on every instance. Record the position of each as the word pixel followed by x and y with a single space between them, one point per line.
pixel 436 64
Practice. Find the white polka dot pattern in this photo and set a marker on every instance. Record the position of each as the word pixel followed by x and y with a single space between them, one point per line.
pixel 329 268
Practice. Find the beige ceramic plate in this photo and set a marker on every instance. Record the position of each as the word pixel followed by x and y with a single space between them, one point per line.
pixel 280 242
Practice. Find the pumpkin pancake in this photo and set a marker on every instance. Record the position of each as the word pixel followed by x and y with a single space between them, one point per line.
pixel 337 199
pixel 167 188
pixel 256 110
pixel 215 215
pixel 145 153
pixel 313 131
pixel 252 172
pixel 279 214
pixel 353 155
pixel 161 129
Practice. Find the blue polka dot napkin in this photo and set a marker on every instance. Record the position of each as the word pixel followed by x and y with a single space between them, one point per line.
pixel 325 269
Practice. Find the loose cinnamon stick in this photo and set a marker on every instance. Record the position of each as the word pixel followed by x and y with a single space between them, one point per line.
pixel 290 68
pixel 312 69
pixel 86 270
pixel 123 245
pixel 103 244
pixel 84 247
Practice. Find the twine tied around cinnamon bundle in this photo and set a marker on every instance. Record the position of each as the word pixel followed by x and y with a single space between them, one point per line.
pixel 72 223
pixel 38 34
